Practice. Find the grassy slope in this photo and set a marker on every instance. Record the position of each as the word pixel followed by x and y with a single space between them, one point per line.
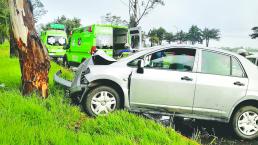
pixel 31 120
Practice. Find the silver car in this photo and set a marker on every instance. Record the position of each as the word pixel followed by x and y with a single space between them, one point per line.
pixel 186 81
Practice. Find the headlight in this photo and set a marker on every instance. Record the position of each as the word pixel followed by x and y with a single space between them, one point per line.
pixel 61 41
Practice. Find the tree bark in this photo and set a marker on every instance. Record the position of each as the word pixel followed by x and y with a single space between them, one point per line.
pixel 34 59
pixel 13 45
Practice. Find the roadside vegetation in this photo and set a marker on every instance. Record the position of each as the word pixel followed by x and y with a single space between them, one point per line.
pixel 32 120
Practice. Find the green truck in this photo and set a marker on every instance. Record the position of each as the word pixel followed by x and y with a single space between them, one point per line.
pixel 55 39
pixel 113 40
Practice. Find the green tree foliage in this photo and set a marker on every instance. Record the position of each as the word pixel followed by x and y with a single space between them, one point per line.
pixel 209 34
pixel 157 36
pixel 4 21
pixel 194 35
pixel 115 20
pixel 181 36
pixel 169 37
pixel 70 24
pixel 161 32
pixel 255 33
pixel 154 39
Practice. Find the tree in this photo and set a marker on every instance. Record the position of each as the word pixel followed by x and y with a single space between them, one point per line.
pixel 70 24
pixel 154 39
pixel 115 20
pixel 38 9
pixel 169 37
pixel 255 33
pixel 33 56
pixel 209 34
pixel 181 36
pixel 4 21
pixel 140 8
pixel 194 35
pixel 161 34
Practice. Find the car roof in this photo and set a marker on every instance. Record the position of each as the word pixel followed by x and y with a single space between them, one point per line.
pixel 145 50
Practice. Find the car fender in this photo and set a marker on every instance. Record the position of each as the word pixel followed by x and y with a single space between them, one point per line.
pixel 251 95
pixel 121 81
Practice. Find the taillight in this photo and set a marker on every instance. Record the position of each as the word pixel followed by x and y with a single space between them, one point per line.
pixel 93 50
pixel 90 29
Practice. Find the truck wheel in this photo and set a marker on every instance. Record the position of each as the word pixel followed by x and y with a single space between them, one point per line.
pixel 245 122
pixel 101 101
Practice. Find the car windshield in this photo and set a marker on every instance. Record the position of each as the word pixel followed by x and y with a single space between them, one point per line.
pixel 56 40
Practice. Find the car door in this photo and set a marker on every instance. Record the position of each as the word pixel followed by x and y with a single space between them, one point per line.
pixel 221 81
pixel 167 83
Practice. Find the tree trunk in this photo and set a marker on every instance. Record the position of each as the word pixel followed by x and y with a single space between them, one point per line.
pixel 207 42
pixel 34 60
pixel 13 45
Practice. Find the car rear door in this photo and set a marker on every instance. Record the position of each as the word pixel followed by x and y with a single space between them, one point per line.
pixel 221 82
pixel 168 81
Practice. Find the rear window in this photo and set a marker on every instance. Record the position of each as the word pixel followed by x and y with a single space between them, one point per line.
pixel 253 60
pixel 221 64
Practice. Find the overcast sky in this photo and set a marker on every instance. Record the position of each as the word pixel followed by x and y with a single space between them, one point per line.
pixel 234 18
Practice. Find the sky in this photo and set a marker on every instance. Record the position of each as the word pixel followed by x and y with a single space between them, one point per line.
pixel 234 18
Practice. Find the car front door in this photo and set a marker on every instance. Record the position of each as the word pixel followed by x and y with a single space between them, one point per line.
pixel 167 83
pixel 221 82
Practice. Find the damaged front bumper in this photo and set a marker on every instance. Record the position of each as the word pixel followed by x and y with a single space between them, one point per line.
pixel 80 83
pixel 59 80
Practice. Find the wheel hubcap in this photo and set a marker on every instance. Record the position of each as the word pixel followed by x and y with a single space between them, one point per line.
pixel 248 123
pixel 103 102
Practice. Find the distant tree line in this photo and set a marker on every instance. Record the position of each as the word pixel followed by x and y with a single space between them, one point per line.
pixel 193 36
pixel 255 33
pixel 70 23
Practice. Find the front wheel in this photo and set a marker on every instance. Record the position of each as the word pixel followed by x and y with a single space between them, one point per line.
pixel 245 122
pixel 101 101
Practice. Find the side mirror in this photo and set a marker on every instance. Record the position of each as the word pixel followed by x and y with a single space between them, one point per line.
pixel 140 67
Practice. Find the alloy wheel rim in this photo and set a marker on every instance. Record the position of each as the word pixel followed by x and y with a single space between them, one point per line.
pixel 248 123
pixel 103 103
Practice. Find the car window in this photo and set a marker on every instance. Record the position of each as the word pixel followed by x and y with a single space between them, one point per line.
pixel 214 63
pixel 253 60
pixel 179 59
pixel 237 70
pixel 135 62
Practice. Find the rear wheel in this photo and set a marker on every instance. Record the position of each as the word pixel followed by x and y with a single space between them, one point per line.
pixel 101 101
pixel 245 122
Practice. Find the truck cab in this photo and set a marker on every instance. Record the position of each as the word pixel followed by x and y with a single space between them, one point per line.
pixel 55 39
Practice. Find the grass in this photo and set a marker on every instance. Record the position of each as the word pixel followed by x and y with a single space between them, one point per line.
pixel 32 120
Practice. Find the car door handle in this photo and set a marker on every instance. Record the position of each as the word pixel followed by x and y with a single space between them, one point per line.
pixel 239 84
pixel 186 78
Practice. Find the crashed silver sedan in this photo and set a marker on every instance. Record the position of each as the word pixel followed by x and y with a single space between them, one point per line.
pixel 186 81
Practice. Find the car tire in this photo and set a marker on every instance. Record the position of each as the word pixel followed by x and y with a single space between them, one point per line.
pixel 101 101
pixel 245 123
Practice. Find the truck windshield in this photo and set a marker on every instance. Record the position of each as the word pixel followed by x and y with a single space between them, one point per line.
pixel 56 40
